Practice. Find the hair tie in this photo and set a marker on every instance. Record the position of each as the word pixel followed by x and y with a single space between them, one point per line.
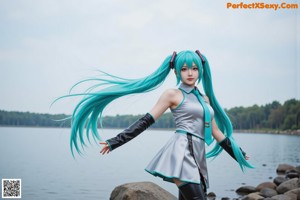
pixel 172 60
pixel 201 57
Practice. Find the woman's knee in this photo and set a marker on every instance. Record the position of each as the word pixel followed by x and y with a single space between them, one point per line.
pixel 177 182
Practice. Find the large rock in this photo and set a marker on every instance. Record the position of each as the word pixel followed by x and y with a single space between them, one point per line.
pixel 282 197
pixel 297 168
pixel 245 190
pixel 288 185
pixel 140 191
pixel 211 196
pixel 279 179
pixel 267 192
pixel 283 168
pixel 293 174
pixel 266 185
pixel 253 196
pixel 225 198
pixel 294 192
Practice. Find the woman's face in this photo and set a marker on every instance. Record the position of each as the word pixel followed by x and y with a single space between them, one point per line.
pixel 189 76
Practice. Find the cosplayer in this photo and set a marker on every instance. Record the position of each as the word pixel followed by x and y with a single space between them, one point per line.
pixel 199 120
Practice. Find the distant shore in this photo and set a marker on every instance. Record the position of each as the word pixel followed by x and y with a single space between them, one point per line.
pixel 272 118
pixel 269 131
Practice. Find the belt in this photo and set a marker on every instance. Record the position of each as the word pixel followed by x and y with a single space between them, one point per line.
pixel 193 134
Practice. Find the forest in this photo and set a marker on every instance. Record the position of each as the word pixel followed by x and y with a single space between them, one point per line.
pixel 272 116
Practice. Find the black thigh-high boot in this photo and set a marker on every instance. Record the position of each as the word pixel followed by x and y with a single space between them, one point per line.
pixel 192 191
pixel 180 197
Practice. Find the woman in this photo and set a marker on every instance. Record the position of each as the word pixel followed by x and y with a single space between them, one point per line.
pixel 199 119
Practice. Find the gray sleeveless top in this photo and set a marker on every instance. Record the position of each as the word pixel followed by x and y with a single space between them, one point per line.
pixel 174 159
pixel 189 115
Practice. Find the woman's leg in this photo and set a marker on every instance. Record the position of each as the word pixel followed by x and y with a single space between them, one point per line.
pixel 180 197
pixel 178 184
pixel 190 191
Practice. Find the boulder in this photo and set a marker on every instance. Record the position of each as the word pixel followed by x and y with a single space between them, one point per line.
pixel 279 179
pixel 288 185
pixel 266 185
pixel 253 196
pixel 297 168
pixel 292 174
pixel 283 168
pixel 282 197
pixel 225 198
pixel 244 190
pixel 211 196
pixel 267 192
pixel 293 192
pixel 140 191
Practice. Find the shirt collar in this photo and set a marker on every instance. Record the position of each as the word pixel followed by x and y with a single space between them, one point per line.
pixel 186 88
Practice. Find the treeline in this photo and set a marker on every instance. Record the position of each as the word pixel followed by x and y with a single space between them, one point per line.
pixel 32 119
pixel 12 118
pixel 270 116
pixel 273 116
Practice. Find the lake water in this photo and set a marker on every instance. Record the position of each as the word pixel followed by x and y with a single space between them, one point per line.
pixel 41 158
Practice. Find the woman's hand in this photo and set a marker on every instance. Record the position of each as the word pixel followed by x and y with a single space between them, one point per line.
pixel 105 149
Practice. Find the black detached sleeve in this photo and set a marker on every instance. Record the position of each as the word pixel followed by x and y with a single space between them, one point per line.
pixel 131 132
pixel 226 145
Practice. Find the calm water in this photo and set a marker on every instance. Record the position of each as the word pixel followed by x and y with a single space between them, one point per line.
pixel 42 159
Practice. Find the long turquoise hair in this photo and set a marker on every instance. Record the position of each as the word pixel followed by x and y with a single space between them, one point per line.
pixel 89 110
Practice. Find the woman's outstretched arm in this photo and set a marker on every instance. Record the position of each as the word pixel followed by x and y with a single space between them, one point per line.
pixel 169 99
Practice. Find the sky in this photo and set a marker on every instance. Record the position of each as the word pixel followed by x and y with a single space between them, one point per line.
pixel 48 46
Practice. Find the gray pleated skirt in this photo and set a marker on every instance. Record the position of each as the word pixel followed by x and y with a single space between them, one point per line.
pixel 174 160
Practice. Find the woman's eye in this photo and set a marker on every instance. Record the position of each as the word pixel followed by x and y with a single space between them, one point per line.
pixel 195 68
pixel 183 69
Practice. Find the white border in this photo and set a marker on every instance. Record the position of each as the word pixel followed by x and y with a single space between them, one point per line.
pixel 11 179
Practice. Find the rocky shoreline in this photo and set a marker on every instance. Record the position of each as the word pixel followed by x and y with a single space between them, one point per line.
pixel 286 186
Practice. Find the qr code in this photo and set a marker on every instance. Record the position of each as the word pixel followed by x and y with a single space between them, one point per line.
pixel 11 188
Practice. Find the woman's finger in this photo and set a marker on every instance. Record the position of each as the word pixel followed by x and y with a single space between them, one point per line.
pixel 105 150
pixel 105 143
